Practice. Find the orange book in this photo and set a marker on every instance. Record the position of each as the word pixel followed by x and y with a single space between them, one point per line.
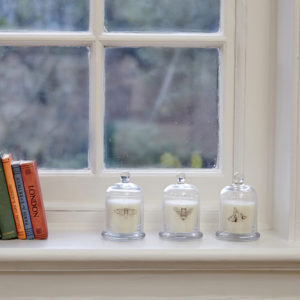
pixel 14 200
pixel 34 199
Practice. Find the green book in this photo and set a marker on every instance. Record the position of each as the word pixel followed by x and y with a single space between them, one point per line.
pixel 7 223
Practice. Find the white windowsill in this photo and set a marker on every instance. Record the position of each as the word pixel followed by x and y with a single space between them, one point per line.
pixel 85 250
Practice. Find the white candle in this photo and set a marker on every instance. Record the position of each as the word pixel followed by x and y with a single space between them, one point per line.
pixel 181 216
pixel 123 215
pixel 238 216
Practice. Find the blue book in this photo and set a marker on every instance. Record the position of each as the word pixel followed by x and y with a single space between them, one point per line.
pixel 22 200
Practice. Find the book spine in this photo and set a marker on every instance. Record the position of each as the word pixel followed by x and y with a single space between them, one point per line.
pixel 12 191
pixel 22 200
pixel 7 223
pixel 34 199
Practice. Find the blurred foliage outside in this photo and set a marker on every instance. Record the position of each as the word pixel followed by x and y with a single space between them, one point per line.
pixel 41 118
pixel 161 106
pixel 162 15
pixel 44 14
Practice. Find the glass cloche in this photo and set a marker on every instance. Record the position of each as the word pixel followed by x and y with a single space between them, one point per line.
pixel 238 212
pixel 124 211
pixel 181 211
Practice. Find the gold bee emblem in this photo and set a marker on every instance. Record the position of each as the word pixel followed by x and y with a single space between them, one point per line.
pixel 237 216
pixel 183 212
pixel 125 212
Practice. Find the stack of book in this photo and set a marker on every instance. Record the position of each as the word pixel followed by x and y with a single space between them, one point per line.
pixel 22 213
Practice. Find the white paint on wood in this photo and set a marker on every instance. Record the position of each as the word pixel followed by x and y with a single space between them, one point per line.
pixel 286 174
pixel 83 249
pixel 147 286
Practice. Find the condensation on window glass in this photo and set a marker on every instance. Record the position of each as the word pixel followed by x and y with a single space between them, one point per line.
pixel 161 108
pixel 162 15
pixel 44 100
pixel 44 14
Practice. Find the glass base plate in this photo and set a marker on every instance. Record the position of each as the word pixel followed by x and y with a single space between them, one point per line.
pixel 227 236
pixel 122 236
pixel 181 236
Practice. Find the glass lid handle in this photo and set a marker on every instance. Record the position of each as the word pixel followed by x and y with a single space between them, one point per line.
pixel 181 178
pixel 125 177
pixel 238 178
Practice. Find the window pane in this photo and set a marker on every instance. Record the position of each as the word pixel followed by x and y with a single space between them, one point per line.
pixel 44 105
pixel 44 14
pixel 161 107
pixel 162 15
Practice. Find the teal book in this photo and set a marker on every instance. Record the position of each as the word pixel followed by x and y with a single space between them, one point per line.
pixel 22 199
pixel 7 222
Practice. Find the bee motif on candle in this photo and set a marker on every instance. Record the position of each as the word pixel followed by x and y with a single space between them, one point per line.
pixel 183 212
pixel 237 216
pixel 125 212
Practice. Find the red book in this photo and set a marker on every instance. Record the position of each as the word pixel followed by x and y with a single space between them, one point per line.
pixel 34 199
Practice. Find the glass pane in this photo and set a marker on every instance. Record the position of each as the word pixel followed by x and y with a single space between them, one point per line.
pixel 44 101
pixel 44 14
pixel 161 108
pixel 162 15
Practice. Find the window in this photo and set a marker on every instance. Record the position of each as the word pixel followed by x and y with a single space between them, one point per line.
pixel 47 88
pixel 144 62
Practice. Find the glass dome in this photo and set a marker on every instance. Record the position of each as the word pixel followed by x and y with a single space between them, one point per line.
pixel 124 188
pixel 238 213
pixel 181 211
pixel 124 210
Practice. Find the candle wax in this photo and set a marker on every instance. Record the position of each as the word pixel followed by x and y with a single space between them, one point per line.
pixel 181 216
pixel 238 216
pixel 123 215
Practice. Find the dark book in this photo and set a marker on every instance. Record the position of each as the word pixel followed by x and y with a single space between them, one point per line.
pixel 22 200
pixel 12 191
pixel 7 223
pixel 34 199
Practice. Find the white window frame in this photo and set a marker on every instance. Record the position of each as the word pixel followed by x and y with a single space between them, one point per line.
pixel 286 188
pixel 272 163
pixel 85 190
